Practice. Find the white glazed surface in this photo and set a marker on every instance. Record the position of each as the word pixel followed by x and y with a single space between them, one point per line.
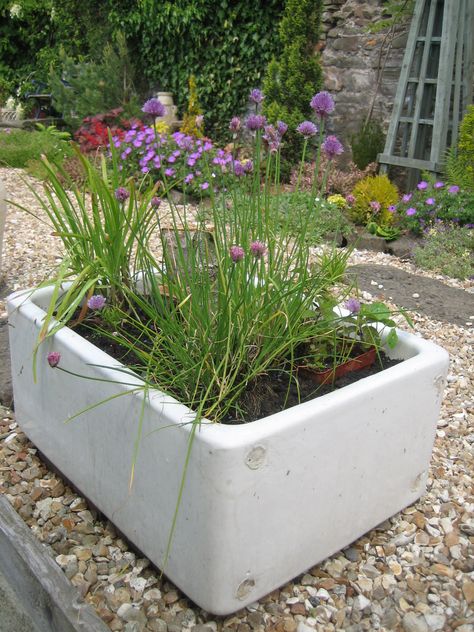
pixel 318 475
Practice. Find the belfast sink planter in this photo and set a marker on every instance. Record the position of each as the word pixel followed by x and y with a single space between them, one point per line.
pixel 262 502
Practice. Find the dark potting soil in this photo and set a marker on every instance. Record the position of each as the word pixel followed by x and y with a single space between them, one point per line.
pixel 269 394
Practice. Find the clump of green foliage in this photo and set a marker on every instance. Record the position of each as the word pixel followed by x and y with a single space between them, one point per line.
pixel 295 75
pixel 460 160
pixel 448 249
pixel 372 198
pixel 367 143
pixel 190 126
pixel 20 148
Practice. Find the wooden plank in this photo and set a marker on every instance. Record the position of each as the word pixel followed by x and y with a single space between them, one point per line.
pixel 468 78
pixel 410 163
pixel 458 71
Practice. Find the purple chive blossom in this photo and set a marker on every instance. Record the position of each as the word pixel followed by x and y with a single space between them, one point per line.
pixel 407 197
pixel 375 206
pixel 53 358
pixel 154 107
pixel 454 188
pixel 272 138
pixel 237 253
pixel 121 194
pixel 322 103
pixel 256 96
pixel 410 211
pixel 258 249
pixel 282 127
pixel 96 302
pixel 438 185
pixel 422 186
pixel 430 201
pixel 307 129
pixel 235 124
pixel 155 201
pixel 350 199
pixel 332 147
pixel 353 305
pixel 255 122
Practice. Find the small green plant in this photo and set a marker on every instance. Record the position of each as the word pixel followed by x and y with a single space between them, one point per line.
pixel 373 200
pixel 460 160
pixel 448 249
pixel 367 143
pixel 193 118
pixel 20 148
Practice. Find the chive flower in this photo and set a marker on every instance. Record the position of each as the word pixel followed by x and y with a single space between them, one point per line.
pixel 255 122
pixel 282 127
pixel 350 199
pixel 121 194
pixel 332 147
pixel 256 96
pixel 235 124
pixel 155 201
pixel 154 107
pixel 353 305
pixel 53 358
pixel 96 302
pixel 307 129
pixel 322 103
pixel 258 249
pixel 237 253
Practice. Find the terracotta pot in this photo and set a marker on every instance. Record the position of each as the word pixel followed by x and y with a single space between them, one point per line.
pixel 329 375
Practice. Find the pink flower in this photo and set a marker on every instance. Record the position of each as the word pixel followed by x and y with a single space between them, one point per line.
pixel 353 305
pixel 350 199
pixel 375 206
pixel 96 302
pixel 410 211
pixel 407 197
pixel 237 253
pixel 258 249
pixel 430 201
pixel 422 186
pixel 454 188
pixel 438 185
pixel 53 358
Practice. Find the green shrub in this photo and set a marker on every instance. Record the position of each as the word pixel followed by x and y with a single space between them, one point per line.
pixel 460 160
pixel 374 200
pixel 19 147
pixel 367 143
pixel 190 126
pixel 295 76
pixel 448 249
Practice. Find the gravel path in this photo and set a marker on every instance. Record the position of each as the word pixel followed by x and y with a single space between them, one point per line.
pixel 414 573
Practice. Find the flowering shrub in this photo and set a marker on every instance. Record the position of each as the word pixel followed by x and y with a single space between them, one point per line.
pixel 340 181
pixel 93 134
pixel 435 202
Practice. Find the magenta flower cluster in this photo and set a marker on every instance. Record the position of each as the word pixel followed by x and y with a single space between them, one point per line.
pixel 257 249
pixel 53 358
pixel 96 302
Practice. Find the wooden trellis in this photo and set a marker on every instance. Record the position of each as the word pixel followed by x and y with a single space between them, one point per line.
pixel 435 85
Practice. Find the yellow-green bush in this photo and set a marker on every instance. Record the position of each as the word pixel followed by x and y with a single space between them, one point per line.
pixel 370 193
pixel 190 125
pixel 460 160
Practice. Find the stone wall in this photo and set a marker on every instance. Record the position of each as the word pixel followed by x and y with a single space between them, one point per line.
pixel 351 60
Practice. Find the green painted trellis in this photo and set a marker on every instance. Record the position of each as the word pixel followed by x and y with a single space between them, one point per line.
pixel 435 85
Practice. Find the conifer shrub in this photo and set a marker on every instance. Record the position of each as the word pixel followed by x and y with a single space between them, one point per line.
pixel 374 199
pixel 367 143
pixel 192 119
pixel 460 161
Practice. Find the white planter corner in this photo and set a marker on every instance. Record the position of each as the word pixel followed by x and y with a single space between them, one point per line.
pixel 262 502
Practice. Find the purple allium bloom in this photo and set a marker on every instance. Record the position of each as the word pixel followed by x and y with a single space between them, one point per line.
pixel 438 185
pixel 282 127
pixel 410 211
pixel 169 173
pixel 350 199
pixel 422 186
pixel 454 188
pixel 332 147
pixel 307 129
pixel 121 194
pixel 430 201
pixel 238 168
pixel 258 249
pixel 255 122
pixel 237 253
pixel 375 206
pixel 154 107
pixel 353 305
pixel 392 208
pixel 256 95
pixel 53 358
pixel 96 302
pixel 204 186
pixel 407 197
pixel 155 201
pixel 272 138
pixel 322 103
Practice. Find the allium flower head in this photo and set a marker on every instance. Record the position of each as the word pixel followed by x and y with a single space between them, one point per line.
pixel 454 188
pixel 282 127
pixel 410 211
pixel 350 199
pixel 121 194
pixel 235 124
pixel 256 95
pixel 307 129
pixel 258 249
pixel 422 186
pixel 155 201
pixel 272 138
pixel 353 305
pixel 322 103
pixel 237 253
pixel 332 147
pixel 96 302
pixel 255 122
pixel 154 107
pixel 53 358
